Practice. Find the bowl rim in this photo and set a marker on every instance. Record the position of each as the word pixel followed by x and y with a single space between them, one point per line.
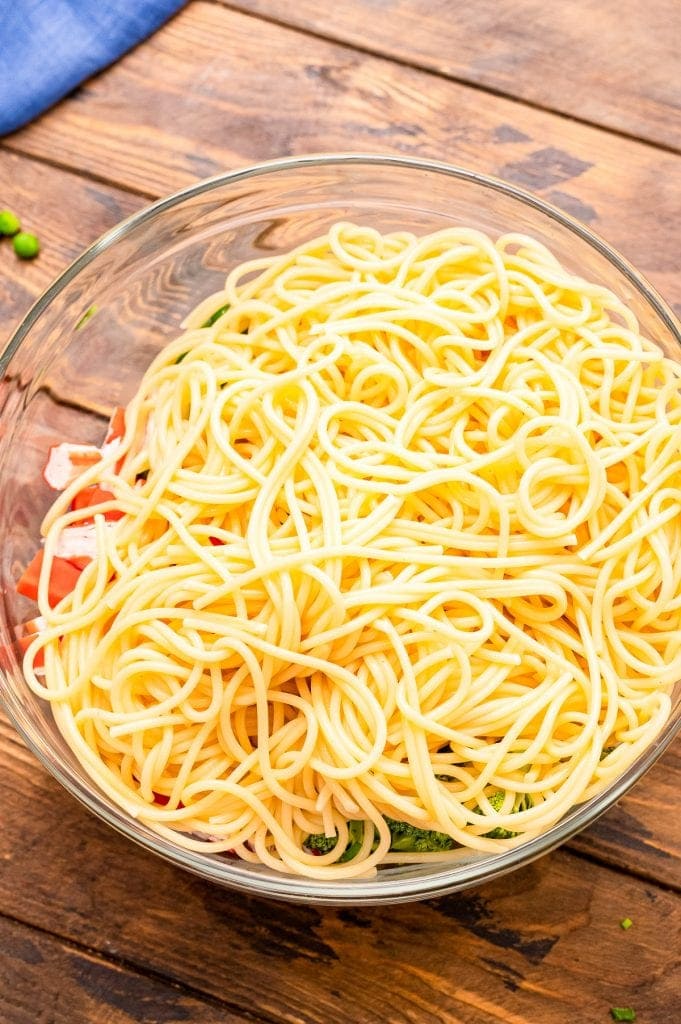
pixel 385 888
pixel 124 227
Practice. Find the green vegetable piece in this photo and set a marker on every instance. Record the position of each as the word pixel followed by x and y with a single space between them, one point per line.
pixel 9 223
pixel 214 317
pixel 605 751
pixel 318 842
pixel 622 1013
pixel 355 839
pixel 499 833
pixel 87 315
pixel 26 246
pixel 404 838
pixel 496 799
pixel 325 844
pixel 182 356
pixel 626 923
pixel 407 838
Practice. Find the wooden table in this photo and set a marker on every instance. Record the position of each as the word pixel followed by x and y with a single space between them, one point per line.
pixel 580 102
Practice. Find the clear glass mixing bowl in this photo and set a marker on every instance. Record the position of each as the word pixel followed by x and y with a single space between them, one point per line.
pixel 63 371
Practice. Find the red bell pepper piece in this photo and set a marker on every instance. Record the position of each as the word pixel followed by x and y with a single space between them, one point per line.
pixel 96 495
pixel 116 425
pixel 63 578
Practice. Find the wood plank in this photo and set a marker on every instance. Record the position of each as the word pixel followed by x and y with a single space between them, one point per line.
pixel 612 63
pixel 45 981
pixel 543 944
pixel 642 833
pixel 66 211
pixel 216 88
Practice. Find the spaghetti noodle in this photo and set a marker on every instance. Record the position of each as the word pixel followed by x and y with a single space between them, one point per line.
pixel 392 535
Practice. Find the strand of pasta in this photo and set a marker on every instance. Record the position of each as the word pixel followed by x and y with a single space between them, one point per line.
pixel 409 536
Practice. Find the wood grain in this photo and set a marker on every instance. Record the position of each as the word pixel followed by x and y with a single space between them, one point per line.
pixel 533 946
pixel 66 211
pixel 611 63
pixel 137 940
pixel 69 212
pixel 79 987
pixel 641 833
pixel 198 98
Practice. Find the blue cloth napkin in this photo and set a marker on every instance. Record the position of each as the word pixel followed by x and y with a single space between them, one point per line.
pixel 47 47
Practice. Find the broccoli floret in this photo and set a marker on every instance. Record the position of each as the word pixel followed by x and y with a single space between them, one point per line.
pixel 496 800
pixel 407 838
pixel 523 803
pixel 499 833
pixel 319 843
pixel 404 838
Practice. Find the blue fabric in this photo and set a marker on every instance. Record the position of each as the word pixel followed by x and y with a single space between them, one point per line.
pixel 47 47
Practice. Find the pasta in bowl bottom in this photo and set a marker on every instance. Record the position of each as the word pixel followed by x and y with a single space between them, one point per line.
pixel 341 503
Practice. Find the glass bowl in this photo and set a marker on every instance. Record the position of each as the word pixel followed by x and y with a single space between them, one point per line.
pixel 86 342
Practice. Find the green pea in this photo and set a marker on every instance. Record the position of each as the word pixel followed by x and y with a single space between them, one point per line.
pixel 26 246
pixel 9 223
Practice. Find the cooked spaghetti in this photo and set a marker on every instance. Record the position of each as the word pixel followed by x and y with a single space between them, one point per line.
pixel 390 546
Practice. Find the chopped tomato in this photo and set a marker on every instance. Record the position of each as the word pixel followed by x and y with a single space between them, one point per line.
pixel 216 542
pixel 26 633
pixel 25 642
pixel 31 626
pixel 116 425
pixel 115 431
pixel 28 583
pixel 162 800
pixel 63 578
pixel 84 498
pixel 80 561
pixel 96 495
